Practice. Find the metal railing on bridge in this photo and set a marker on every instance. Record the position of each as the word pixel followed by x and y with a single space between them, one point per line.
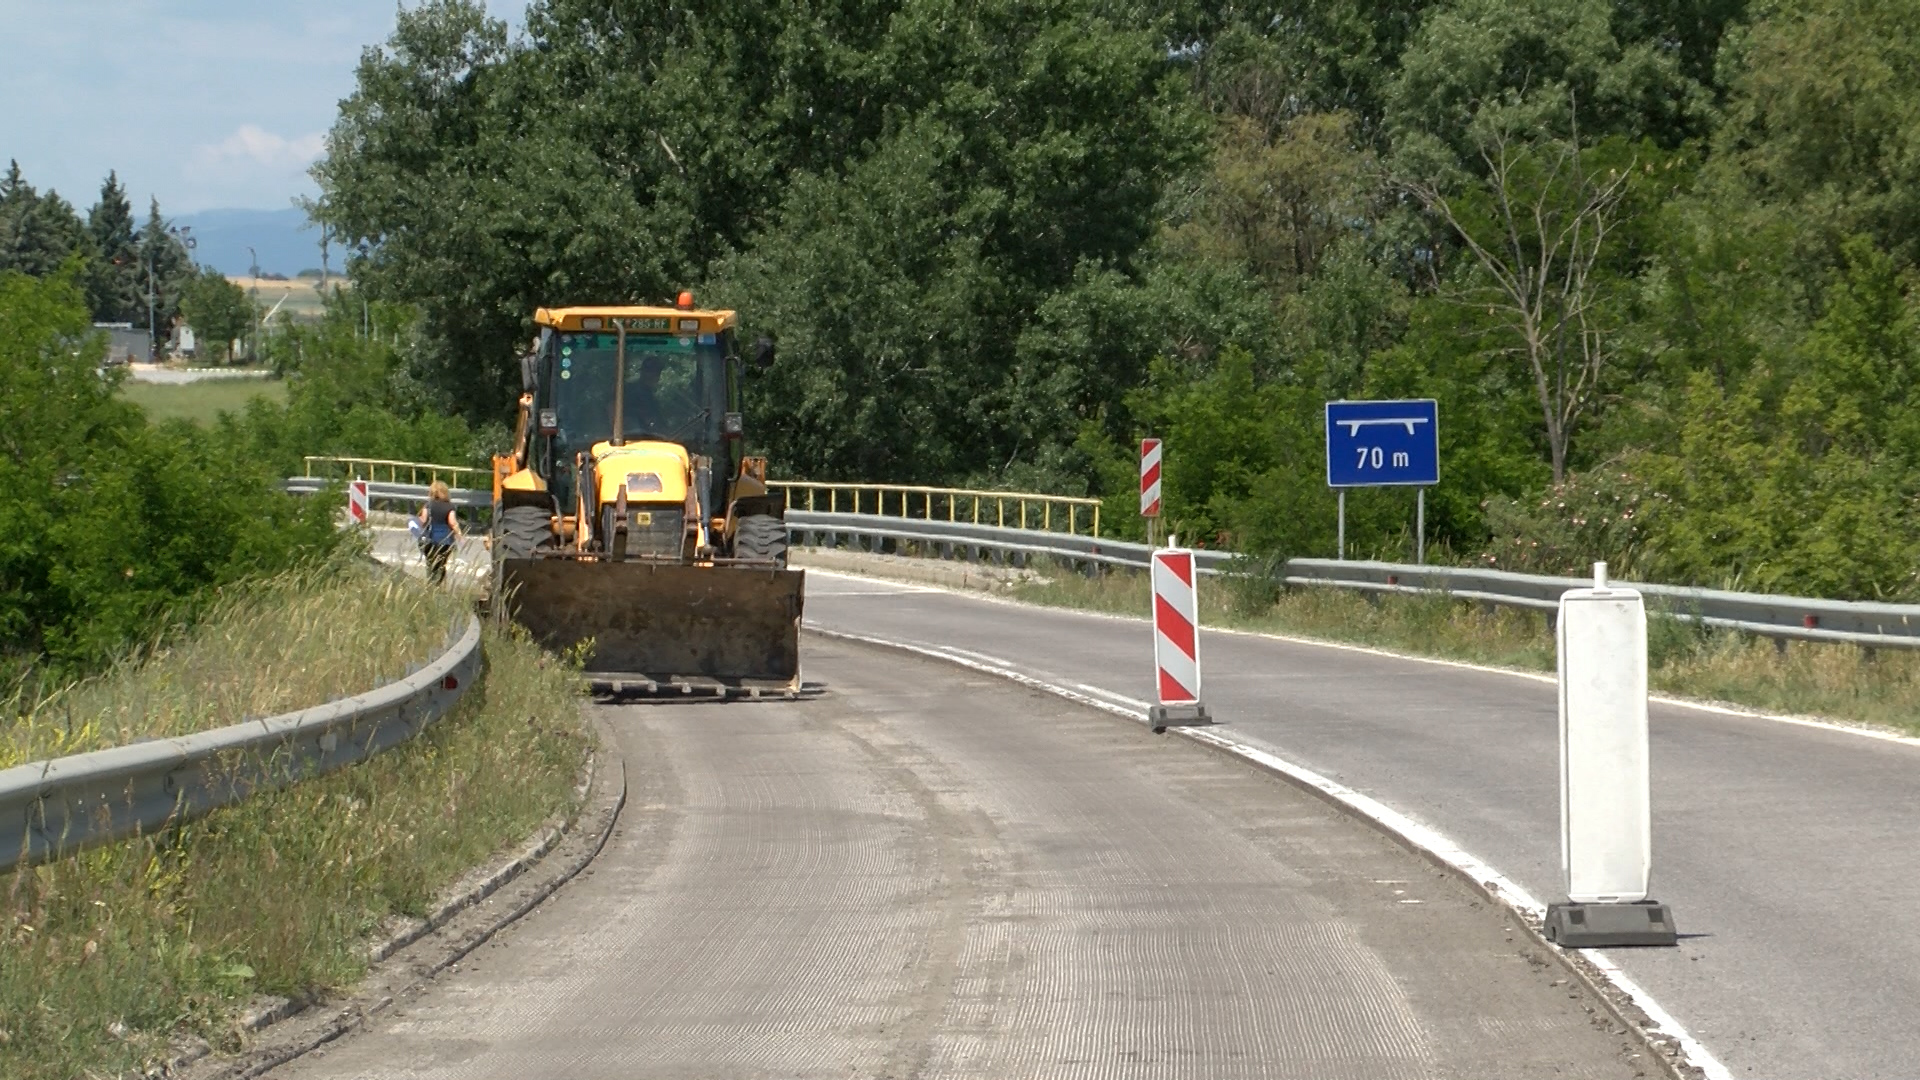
pixel 1071 514
pixel 383 471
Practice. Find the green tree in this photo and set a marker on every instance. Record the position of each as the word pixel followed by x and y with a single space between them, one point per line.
pixel 1274 199
pixel 112 524
pixel 217 309
pixel 38 232
pixel 115 284
pixel 1823 119
pixel 355 395
pixel 994 153
pixel 1538 230
pixel 165 269
pixel 1478 67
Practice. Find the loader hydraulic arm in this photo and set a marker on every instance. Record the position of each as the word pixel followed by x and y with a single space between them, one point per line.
pixel 505 465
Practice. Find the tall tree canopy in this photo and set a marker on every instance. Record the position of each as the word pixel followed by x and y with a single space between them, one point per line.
pixel 1649 255
pixel 627 150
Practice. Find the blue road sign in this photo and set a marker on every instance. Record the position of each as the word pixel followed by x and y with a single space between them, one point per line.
pixel 1383 443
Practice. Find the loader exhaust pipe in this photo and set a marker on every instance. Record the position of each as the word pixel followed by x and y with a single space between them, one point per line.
pixel 620 383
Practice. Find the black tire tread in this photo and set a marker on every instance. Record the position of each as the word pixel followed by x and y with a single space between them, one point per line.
pixel 761 536
pixel 521 530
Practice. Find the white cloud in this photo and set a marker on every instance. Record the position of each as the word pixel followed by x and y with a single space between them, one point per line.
pixel 254 145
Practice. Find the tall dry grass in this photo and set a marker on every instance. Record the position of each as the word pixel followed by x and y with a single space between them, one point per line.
pixel 107 957
pixel 1842 683
pixel 299 639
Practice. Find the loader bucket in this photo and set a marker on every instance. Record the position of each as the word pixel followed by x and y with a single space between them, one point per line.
pixel 664 622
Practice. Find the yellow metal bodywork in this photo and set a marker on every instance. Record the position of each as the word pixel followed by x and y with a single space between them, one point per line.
pixel 639 318
pixel 617 467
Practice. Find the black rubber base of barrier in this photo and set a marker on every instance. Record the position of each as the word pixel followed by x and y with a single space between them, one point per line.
pixel 1162 717
pixel 1596 926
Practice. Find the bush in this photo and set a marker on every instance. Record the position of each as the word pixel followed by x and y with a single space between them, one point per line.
pixel 112 523
pixel 1605 515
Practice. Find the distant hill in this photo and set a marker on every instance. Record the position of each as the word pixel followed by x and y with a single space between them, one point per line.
pixel 284 240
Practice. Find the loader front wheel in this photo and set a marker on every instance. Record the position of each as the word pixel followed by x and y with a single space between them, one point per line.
pixel 521 531
pixel 763 537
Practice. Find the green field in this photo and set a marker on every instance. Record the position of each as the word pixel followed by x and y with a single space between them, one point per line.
pixel 200 402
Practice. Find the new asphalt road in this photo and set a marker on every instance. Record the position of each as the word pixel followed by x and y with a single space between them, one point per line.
pixel 1790 854
pixel 920 871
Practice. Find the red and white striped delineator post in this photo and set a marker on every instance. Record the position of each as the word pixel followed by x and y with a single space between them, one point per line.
pixel 357 501
pixel 1150 478
pixel 1176 642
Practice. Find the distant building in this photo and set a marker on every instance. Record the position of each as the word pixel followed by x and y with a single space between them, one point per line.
pixel 126 345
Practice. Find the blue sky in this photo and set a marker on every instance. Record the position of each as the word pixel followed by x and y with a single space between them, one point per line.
pixel 204 103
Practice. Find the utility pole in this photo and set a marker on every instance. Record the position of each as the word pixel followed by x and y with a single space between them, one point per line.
pixel 253 304
pixel 181 233
pixel 359 286
pixel 153 332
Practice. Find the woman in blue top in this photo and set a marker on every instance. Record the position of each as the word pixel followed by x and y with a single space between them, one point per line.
pixel 440 530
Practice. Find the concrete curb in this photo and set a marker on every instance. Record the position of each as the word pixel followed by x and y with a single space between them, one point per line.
pixel 474 910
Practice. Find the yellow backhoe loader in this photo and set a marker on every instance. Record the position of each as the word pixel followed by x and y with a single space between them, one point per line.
pixel 628 515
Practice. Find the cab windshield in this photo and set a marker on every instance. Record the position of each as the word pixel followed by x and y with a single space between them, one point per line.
pixel 675 388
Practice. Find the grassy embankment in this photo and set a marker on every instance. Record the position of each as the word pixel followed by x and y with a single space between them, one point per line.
pixel 201 402
pixel 110 954
pixel 1837 682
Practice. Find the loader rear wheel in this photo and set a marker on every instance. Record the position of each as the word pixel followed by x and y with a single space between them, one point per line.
pixel 761 536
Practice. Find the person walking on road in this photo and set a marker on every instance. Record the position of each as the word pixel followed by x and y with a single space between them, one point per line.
pixel 440 530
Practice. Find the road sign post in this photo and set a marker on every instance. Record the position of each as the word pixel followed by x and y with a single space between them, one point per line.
pixel 1176 642
pixel 1606 816
pixel 1150 488
pixel 1384 444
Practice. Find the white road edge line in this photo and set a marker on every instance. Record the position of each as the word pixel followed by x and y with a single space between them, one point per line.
pixel 1416 835
pixel 1532 676
pixel 1118 699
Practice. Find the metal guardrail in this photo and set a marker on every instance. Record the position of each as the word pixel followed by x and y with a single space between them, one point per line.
pixel 1799 618
pixel 1871 625
pixel 1027 511
pixel 951 537
pixel 53 808
pixel 418 473
pixel 381 491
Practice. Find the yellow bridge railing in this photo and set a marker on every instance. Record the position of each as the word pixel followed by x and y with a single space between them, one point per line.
pixel 397 472
pixel 1005 509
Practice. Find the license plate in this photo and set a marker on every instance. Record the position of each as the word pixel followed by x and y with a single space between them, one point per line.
pixel 643 518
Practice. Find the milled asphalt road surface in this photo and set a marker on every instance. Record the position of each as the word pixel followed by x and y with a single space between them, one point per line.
pixel 924 872
pixel 1790 855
